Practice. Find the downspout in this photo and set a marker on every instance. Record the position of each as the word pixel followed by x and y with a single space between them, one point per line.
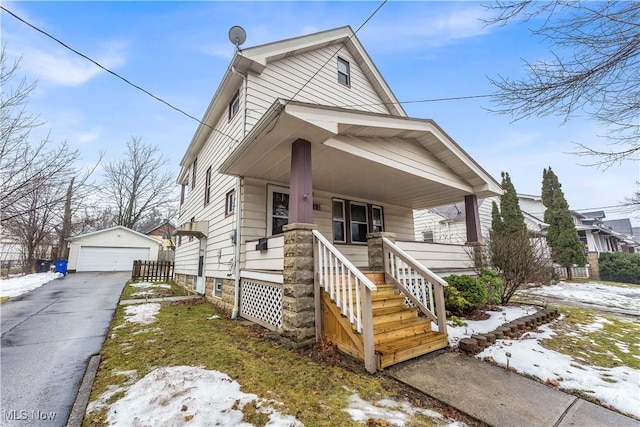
pixel 236 293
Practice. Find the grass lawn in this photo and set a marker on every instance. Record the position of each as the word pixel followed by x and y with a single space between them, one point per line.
pixel 597 338
pixel 314 384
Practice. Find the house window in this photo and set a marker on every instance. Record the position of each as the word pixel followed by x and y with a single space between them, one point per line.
pixel 339 221
pixel 217 288
pixel 359 223
pixel 377 224
pixel 207 187
pixel 234 105
pixel 230 203
pixel 353 220
pixel 344 72
pixel 193 173
pixel 277 209
pixel 427 236
pixel 183 191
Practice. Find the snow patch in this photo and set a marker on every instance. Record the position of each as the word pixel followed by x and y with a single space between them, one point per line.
pixel 142 314
pixel 185 395
pixel 147 285
pixel 617 387
pixel 592 293
pixel 23 284
pixel 389 410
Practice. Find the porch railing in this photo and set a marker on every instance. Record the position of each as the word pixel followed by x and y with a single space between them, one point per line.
pixel 349 288
pixel 422 287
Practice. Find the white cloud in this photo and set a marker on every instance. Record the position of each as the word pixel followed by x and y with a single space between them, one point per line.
pixel 427 27
pixel 67 68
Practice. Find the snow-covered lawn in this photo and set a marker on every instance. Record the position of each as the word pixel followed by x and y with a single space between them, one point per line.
pixel 625 297
pixel 20 285
pixel 617 387
pixel 187 395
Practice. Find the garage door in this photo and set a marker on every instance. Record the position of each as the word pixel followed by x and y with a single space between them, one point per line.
pixel 93 258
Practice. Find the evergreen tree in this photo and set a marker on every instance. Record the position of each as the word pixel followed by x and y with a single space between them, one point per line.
pixel 496 219
pixel 512 217
pixel 562 236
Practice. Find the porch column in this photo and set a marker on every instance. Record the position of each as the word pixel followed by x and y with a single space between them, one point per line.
pixel 298 304
pixel 300 183
pixel 375 250
pixel 474 232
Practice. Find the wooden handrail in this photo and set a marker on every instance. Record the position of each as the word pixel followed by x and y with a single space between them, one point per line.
pixel 347 286
pixel 427 275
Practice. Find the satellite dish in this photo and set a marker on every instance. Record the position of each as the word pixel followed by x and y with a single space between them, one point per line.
pixel 237 36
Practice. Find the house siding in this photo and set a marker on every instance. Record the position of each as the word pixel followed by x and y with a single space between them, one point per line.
pixel 283 79
pixel 397 219
pixel 454 232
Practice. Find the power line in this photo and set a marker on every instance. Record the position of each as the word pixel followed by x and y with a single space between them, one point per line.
pixel 336 52
pixel 114 73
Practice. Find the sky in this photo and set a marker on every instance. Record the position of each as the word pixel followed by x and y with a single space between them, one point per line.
pixel 179 52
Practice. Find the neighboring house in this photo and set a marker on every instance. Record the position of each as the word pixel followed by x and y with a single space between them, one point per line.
pixel 630 242
pixel 447 224
pixel 112 249
pixel 163 233
pixel 10 254
pixel 285 202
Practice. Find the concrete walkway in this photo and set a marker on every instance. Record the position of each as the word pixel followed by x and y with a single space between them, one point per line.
pixel 498 397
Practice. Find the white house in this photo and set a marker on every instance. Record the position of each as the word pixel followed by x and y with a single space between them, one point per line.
pixel 112 249
pixel 304 169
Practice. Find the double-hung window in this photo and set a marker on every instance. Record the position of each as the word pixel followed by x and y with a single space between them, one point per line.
pixel 207 186
pixel 277 209
pixel 344 72
pixel 194 171
pixel 234 105
pixel 230 203
pixel 353 220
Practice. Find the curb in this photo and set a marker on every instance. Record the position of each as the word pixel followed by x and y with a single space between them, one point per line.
pixel 82 399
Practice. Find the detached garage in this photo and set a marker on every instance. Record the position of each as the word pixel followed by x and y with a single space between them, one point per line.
pixel 113 249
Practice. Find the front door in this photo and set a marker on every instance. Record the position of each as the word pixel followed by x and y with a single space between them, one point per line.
pixel 200 278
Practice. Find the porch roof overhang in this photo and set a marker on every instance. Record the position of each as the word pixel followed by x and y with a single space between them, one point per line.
pixel 389 159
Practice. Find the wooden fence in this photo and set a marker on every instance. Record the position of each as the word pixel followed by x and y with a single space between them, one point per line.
pixel 152 270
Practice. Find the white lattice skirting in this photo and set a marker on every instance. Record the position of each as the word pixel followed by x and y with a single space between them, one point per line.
pixel 261 302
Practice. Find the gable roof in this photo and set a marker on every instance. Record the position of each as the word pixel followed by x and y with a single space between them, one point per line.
pixel 165 226
pixel 117 227
pixel 256 59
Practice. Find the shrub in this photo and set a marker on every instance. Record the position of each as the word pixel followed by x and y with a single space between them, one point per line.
pixel 469 295
pixel 493 285
pixel 620 267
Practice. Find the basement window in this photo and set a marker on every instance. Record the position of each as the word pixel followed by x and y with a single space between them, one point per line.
pixel 344 72
pixel 217 288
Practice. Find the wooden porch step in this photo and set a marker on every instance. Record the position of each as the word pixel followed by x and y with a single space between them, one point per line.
pixel 400 350
pixel 393 314
pixel 375 276
pixel 388 332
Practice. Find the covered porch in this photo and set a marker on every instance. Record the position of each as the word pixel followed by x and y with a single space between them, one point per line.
pixel 348 176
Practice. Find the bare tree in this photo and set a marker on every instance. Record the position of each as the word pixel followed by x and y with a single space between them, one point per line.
pixel 138 183
pixel 595 68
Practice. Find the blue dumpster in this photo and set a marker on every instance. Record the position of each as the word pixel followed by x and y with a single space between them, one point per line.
pixel 61 266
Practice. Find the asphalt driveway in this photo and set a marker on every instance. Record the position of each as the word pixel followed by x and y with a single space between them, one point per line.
pixel 48 336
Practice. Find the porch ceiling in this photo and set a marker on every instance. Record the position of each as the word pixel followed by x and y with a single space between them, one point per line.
pixel 364 160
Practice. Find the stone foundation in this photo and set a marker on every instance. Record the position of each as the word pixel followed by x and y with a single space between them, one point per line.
pixel 594 266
